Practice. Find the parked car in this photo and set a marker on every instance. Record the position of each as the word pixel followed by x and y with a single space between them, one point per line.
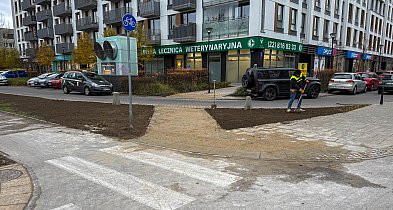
pixel 348 82
pixel 85 82
pixel 43 80
pixel 14 73
pixel 270 83
pixel 372 80
pixel 34 81
pixel 3 80
pixel 387 83
pixel 55 82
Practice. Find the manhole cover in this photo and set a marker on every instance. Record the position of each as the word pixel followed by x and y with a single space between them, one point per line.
pixel 9 174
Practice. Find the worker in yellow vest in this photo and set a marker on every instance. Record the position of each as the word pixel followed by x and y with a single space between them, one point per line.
pixel 297 85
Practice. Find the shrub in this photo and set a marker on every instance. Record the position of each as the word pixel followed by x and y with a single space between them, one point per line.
pixel 22 81
pixel 324 76
pixel 241 91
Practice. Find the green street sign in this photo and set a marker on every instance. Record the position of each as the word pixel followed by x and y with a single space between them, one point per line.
pixel 230 44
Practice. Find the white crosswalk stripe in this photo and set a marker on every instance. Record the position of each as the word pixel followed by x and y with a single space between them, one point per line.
pixel 147 193
pixel 197 172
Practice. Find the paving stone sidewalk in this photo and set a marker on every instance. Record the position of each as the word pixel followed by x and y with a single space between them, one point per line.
pixel 221 94
pixel 15 187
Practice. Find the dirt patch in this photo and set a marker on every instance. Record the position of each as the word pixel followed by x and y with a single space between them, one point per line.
pixel 100 118
pixel 239 118
pixel 5 161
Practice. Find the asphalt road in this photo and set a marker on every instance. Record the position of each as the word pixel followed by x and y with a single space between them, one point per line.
pixel 325 100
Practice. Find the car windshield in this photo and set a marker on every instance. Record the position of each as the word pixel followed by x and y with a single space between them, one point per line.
pixel 386 77
pixel 342 76
pixel 365 75
pixel 42 76
pixel 93 76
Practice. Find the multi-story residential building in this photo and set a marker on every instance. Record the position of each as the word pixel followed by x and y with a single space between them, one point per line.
pixel 228 36
pixel 7 38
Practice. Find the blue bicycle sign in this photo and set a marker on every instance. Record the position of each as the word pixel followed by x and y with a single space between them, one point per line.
pixel 129 22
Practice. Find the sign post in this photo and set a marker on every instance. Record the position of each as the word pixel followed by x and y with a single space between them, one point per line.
pixel 129 23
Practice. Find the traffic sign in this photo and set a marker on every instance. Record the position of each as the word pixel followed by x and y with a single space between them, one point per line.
pixel 129 22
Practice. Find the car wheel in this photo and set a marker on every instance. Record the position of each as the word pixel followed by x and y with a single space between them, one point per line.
pixel 313 92
pixel 248 79
pixel 66 90
pixel 270 94
pixel 365 89
pixel 355 90
pixel 87 91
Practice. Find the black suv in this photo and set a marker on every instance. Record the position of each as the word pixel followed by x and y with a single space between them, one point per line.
pixel 85 82
pixel 269 83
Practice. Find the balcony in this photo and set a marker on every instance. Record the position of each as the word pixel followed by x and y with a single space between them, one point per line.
pixel 184 5
pixel 63 29
pixel 27 5
pixel 85 4
pixel 185 33
pixel 87 24
pixel 149 9
pixel 62 10
pixel 209 3
pixel 29 21
pixel 31 36
pixel 227 28
pixel 42 2
pixel 114 16
pixel 153 36
pixel 30 52
pixel 295 1
pixel 45 33
pixel 44 15
pixel 65 48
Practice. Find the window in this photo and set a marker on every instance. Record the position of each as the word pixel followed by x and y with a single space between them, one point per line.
pixel 318 3
pixel 171 25
pixel 154 24
pixel 357 15
pixel 337 7
pixel 362 19
pixel 263 16
pixel 293 19
pixel 188 18
pixel 315 26
pixel 279 18
pixel 303 23
pixel 360 39
pixel 348 42
pixel 194 60
pixel 242 11
pixel 326 30
pixel 335 29
pixel 170 2
pixel 327 5
pixel 372 23
pixel 350 13
pixel 355 34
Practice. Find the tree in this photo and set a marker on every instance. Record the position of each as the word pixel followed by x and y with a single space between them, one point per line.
pixel 109 32
pixel 84 54
pixel 9 58
pixel 144 49
pixel 45 55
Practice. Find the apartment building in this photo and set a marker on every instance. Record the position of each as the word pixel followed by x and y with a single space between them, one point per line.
pixel 228 36
pixel 7 38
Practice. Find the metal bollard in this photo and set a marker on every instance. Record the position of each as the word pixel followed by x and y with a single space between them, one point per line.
pixel 381 100
pixel 248 105
pixel 116 98
pixel 214 105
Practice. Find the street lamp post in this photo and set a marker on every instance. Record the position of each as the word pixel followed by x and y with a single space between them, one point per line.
pixel 333 36
pixel 379 57
pixel 209 31
pixel 63 59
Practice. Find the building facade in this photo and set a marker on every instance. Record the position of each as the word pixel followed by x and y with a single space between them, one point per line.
pixel 7 38
pixel 228 36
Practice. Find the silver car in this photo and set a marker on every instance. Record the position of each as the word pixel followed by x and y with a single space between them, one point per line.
pixel 348 82
pixel 3 80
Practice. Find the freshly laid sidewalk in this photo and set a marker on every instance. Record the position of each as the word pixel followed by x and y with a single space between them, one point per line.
pixel 222 93
pixel 15 187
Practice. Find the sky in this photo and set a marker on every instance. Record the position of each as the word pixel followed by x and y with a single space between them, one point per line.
pixel 5 10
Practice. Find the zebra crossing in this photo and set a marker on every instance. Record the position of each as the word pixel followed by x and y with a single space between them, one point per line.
pixel 138 189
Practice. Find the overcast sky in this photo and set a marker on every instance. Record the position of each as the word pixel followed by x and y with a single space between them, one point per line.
pixel 5 10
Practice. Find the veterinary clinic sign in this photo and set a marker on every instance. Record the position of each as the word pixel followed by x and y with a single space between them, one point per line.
pixel 232 44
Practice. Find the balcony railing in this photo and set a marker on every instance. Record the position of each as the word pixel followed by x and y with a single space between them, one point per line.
pixel 227 28
pixel 65 48
pixel 31 36
pixel 153 36
pixel 29 21
pixel 63 29
pixel 114 16
pixel 209 3
pixel 85 4
pixel 184 5
pixel 149 9
pixel 62 10
pixel 87 24
pixel 185 33
pixel 45 33
pixel 30 52
pixel 27 5
pixel 44 15
pixel 42 2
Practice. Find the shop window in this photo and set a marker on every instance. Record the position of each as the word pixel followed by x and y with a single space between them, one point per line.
pixel 154 66
pixel 237 64
pixel 179 61
pixel 194 60
pixel 275 59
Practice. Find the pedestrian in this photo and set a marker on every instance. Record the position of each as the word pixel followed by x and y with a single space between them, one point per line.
pixel 297 85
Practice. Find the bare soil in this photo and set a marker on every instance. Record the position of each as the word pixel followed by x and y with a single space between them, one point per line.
pixel 5 161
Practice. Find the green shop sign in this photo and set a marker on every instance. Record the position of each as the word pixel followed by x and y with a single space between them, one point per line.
pixel 230 44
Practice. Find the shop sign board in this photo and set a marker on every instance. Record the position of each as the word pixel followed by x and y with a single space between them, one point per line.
pixel 326 51
pixel 230 44
pixel 353 55
pixel 368 57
